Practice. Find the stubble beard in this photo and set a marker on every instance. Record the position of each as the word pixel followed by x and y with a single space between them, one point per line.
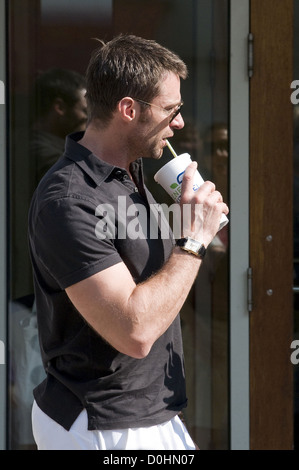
pixel 141 146
pixel 147 141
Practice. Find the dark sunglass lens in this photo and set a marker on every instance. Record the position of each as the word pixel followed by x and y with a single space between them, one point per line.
pixel 175 114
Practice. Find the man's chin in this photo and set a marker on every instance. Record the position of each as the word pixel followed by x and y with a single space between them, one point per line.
pixel 154 155
pixel 159 154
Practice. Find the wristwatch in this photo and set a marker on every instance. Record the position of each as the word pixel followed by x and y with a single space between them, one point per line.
pixel 192 246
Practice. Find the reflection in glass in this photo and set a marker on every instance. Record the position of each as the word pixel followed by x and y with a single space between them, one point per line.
pixel 52 39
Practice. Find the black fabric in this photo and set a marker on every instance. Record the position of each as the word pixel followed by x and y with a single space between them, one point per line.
pixel 65 229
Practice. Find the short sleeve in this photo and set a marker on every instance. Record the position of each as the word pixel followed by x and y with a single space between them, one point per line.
pixel 66 243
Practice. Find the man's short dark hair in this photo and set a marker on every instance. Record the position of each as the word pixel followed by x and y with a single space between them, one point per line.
pixel 127 66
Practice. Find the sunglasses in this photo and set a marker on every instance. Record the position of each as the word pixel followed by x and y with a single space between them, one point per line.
pixel 171 113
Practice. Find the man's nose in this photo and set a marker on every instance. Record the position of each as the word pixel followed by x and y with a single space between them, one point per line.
pixel 178 122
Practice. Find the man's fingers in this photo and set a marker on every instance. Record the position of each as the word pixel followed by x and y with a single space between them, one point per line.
pixel 187 183
pixel 187 192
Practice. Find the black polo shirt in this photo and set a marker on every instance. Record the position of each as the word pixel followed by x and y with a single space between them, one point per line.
pixel 86 216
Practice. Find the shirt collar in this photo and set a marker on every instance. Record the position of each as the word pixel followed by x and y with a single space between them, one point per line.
pixel 97 169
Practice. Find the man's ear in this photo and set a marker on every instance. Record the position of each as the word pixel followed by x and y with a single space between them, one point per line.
pixel 59 106
pixel 126 108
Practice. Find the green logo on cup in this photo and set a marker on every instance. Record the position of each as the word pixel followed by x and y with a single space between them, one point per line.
pixel 173 185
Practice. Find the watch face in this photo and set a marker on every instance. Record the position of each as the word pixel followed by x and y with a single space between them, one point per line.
pixel 192 245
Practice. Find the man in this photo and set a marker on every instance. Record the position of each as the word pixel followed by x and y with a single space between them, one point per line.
pixel 60 104
pixel 107 303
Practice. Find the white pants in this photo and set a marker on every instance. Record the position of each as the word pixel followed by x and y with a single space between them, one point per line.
pixel 49 435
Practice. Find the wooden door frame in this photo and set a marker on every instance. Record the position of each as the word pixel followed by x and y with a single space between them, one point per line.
pixel 271 234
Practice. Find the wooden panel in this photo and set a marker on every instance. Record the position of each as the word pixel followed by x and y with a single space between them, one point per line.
pixel 271 321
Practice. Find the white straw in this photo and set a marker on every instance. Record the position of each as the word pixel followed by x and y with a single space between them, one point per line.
pixel 171 148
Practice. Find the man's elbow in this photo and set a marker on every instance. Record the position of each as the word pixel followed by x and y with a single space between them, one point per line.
pixel 140 351
pixel 138 348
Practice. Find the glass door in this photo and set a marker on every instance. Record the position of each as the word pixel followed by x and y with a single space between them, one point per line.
pixel 57 35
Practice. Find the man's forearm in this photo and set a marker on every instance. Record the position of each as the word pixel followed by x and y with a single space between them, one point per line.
pixel 158 300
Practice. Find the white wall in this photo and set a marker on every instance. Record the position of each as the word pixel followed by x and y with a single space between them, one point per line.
pixel 239 226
